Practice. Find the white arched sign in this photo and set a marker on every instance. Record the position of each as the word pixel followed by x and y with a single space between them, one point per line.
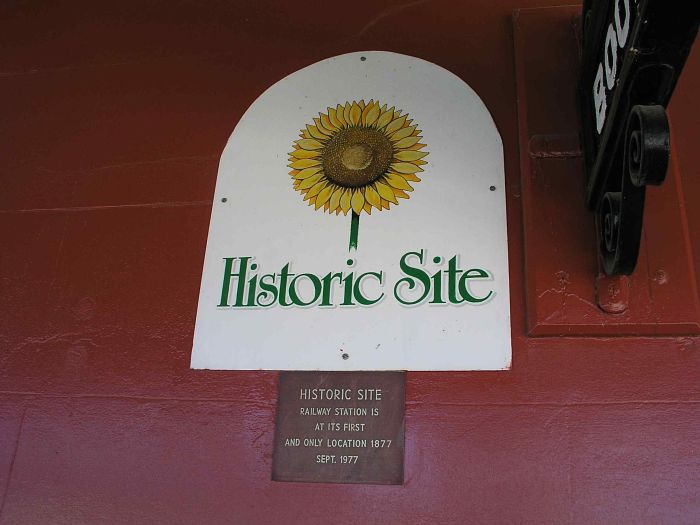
pixel 359 224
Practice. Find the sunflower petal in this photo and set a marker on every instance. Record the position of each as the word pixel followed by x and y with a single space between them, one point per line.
pixel 319 198
pixel 395 124
pixel 316 133
pixel 316 189
pixel 372 109
pixel 402 133
pixel 339 115
pixel 406 143
pixel 401 194
pixel 411 176
pixel 322 129
pixel 304 154
pixel 385 192
pixel 408 156
pixel 308 172
pixel 385 118
pixel 333 119
pixel 346 113
pixel 309 144
pixel 357 201
pixel 397 181
pixel 307 183
pixel 324 195
pixel 326 123
pixel 372 115
pixel 372 197
pixel 335 198
pixel 367 208
pixel 355 114
pixel 385 204
pixel 406 167
pixel 304 163
pixel 345 203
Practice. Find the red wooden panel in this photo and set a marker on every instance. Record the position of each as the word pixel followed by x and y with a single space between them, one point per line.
pixel 566 294
pixel 12 418
pixel 113 310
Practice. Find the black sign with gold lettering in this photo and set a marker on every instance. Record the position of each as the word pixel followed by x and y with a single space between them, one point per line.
pixel 340 427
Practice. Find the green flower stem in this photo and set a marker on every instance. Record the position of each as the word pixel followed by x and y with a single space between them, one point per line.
pixel 354 229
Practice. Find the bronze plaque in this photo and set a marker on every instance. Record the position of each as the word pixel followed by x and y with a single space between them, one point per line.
pixel 340 427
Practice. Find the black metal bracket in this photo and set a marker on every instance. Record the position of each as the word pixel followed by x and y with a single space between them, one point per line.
pixel 633 52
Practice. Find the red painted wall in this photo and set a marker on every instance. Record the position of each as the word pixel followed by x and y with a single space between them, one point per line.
pixel 112 120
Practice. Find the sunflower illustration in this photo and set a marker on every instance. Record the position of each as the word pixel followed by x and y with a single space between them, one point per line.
pixel 356 157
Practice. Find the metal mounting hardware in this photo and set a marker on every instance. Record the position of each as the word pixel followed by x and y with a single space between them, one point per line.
pixel 633 52
pixel 645 161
